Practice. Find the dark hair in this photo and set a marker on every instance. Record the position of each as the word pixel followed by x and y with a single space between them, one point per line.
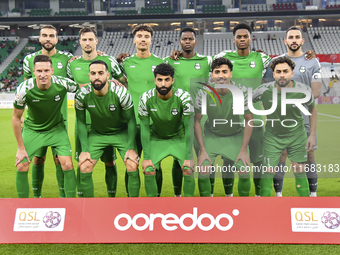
pixel 101 62
pixel 164 69
pixel 142 27
pixel 187 29
pixel 49 27
pixel 42 58
pixel 281 60
pixel 87 30
pixel 241 26
pixel 221 61
pixel 294 28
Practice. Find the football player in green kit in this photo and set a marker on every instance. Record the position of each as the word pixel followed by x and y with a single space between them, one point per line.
pixel 48 39
pixel 189 67
pixel 248 69
pixel 44 124
pixel 138 69
pixel 169 135
pixel 113 125
pixel 77 70
pixel 223 133
pixel 285 127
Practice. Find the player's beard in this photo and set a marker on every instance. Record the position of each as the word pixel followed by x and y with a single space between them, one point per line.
pixel 163 90
pixel 284 82
pixel 46 48
pixel 98 87
pixel 296 49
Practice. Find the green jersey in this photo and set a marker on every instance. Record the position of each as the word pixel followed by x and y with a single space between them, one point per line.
pixel 167 115
pixel 140 76
pixel 278 124
pixel 78 69
pixel 221 120
pixel 43 105
pixel 59 64
pixel 188 68
pixel 107 112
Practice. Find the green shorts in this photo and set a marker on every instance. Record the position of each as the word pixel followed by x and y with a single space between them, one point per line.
pixel 36 141
pixel 100 144
pixel 273 146
pixel 227 146
pixel 256 145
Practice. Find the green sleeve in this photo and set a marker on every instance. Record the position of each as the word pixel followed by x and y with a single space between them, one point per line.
pixel 187 133
pixel 145 136
pixel 132 128
pixel 82 129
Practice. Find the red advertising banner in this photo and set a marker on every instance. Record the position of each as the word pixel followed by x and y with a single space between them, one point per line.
pixel 171 220
pixel 328 100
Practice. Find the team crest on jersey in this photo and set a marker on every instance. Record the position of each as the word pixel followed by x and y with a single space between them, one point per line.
pixel 57 98
pixel 112 107
pixel 60 65
pixel 174 111
pixel 302 69
pixel 197 66
pixel 252 64
pixel 153 68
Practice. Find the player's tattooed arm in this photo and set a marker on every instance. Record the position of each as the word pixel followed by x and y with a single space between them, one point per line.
pixel 16 123
pixel 122 56
pixel 203 155
pixel 312 120
pixel 243 154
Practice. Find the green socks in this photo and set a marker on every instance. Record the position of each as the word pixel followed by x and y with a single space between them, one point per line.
pixel 37 179
pixel 188 186
pixel 150 185
pixel 22 185
pixel 60 180
pixel 267 184
pixel 177 177
pixel 79 190
pixel 212 183
pixel 133 183
pixel 302 185
pixel 86 183
pixel 228 184
pixel 244 185
pixel 70 183
pixel 111 180
pixel 204 185
pixel 257 178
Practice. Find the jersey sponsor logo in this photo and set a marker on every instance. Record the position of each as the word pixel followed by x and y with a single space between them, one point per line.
pixel 174 111
pixel 153 68
pixel 197 66
pixel 57 98
pixel 78 68
pixel 92 105
pixel 112 107
pixel 302 69
pixel 132 66
pixel 35 100
pixel 153 110
pixel 60 65
pixel 252 64
pixel 177 63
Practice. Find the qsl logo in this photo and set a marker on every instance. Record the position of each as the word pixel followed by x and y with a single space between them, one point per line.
pixel 52 219
pixel 331 220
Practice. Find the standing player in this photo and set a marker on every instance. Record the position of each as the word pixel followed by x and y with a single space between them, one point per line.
pixel 189 65
pixel 307 72
pixel 48 39
pixel 78 71
pixel 169 110
pixel 113 125
pixel 229 140
pixel 249 68
pixel 139 69
pixel 285 130
pixel 44 125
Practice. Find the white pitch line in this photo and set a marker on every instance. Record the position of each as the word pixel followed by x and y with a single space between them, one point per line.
pixel 329 115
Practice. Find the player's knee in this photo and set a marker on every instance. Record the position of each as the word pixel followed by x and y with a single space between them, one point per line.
pixel 310 157
pixel 204 170
pixel 110 164
pixel 298 167
pixel 39 160
pixel 56 160
pixel 67 165
pixel 23 167
pixel 131 166
pixel 86 167
pixel 186 171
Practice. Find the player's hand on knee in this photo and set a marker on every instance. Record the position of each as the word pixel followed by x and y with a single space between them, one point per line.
pixel 146 163
pixel 310 54
pixel 243 156
pixel 21 155
pixel 187 166
pixel 310 143
pixel 175 55
pixel 122 56
pixel 83 157
pixel 203 156
pixel 132 155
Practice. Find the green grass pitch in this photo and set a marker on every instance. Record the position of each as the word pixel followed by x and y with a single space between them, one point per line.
pixel 328 128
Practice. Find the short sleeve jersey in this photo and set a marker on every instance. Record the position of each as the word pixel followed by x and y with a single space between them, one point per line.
pixel 43 105
pixel 223 112
pixel 293 120
pixel 187 69
pixel 107 112
pixel 167 115
pixel 78 69
pixel 59 64
pixel 140 76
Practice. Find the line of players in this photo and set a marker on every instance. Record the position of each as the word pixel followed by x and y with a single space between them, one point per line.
pixel 167 107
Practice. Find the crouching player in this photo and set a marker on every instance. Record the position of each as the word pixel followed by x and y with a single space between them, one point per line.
pixel 169 110
pixel 229 139
pixel 44 125
pixel 285 127
pixel 113 124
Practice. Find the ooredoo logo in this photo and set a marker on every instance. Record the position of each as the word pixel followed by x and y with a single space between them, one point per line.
pixel 170 221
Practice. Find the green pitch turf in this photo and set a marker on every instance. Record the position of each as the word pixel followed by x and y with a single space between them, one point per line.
pixel 328 131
